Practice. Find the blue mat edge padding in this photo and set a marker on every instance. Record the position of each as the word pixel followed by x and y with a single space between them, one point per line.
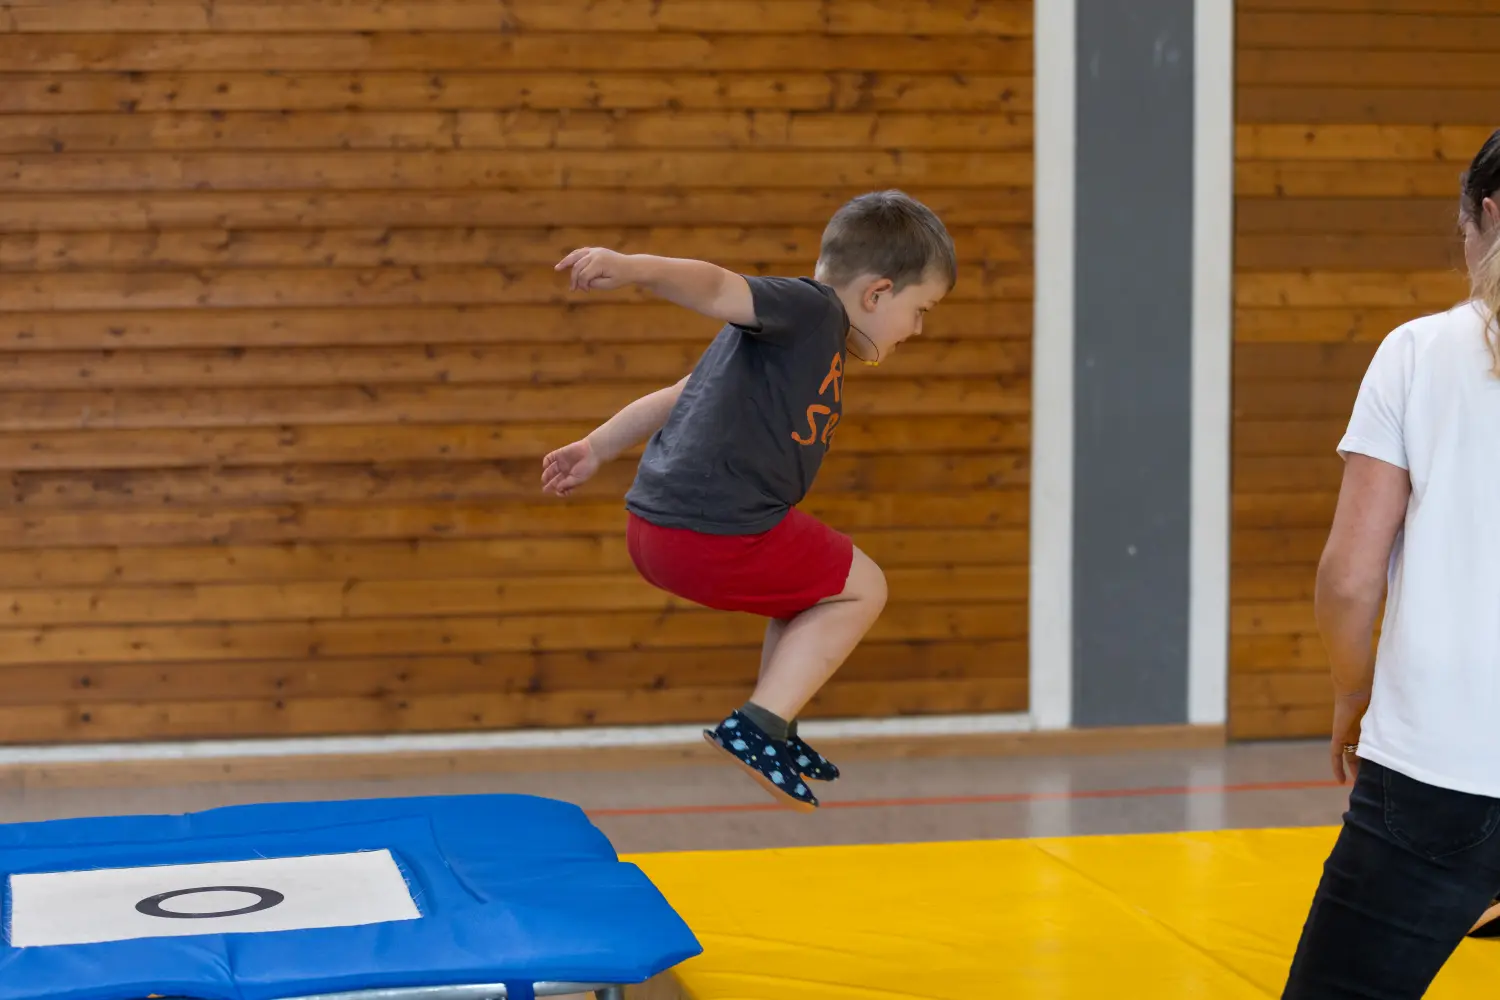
pixel 530 872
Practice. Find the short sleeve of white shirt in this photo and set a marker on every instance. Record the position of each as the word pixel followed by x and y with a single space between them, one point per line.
pixel 1377 426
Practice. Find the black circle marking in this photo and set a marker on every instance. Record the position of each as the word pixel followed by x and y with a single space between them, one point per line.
pixel 268 898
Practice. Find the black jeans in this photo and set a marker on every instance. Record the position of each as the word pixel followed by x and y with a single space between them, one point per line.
pixel 1414 867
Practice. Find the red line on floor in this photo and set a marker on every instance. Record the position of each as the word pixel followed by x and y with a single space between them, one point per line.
pixel 974 800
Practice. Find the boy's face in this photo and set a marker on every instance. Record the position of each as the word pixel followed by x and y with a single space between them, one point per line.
pixel 887 318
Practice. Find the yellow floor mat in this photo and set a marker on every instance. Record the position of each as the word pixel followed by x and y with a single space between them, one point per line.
pixel 1200 915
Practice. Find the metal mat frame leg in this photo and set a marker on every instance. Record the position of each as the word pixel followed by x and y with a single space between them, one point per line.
pixel 479 991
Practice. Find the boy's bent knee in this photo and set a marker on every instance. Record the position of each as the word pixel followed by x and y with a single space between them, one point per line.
pixel 866 582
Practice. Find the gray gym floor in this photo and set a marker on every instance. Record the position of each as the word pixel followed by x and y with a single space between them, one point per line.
pixel 708 805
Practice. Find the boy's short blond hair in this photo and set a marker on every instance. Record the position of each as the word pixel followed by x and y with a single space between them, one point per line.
pixel 887 234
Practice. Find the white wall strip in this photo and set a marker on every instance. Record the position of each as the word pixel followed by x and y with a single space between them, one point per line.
pixel 1051 598
pixel 1213 348
pixel 529 739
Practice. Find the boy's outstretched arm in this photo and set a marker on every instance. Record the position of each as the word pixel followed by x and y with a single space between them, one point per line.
pixel 693 284
pixel 574 464
pixel 635 423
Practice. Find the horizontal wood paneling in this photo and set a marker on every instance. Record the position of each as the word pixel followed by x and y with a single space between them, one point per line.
pixel 1340 179
pixel 163 448
pixel 511 130
pixel 443 51
pixel 388 247
pixel 1363 104
pixel 438 559
pixel 272 407
pixel 399 286
pixel 436 481
pixel 393 679
pixel 494 89
pixel 573 324
pixel 1371 6
pixel 474 519
pixel 1365 30
pixel 168 210
pixel 1277 324
pixel 1360 142
pixel 436 363
pixel 733 17
pixel 582 631
pixel 540 169
pixel 1355 119
pixel 283 347
pixel 353 599
pixel 1288 65
pixel 489 710
pixel 1332 217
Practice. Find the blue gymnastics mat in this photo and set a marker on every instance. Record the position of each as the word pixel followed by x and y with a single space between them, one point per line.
pixel 267 902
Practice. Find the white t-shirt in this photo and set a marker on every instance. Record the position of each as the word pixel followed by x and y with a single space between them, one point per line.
pixel 1430 404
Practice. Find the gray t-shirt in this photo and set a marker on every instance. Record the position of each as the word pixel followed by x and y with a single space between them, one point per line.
pixel 745 440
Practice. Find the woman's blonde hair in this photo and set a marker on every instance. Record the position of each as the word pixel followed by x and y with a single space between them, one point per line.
pixel 1481 181
pixel 1487 290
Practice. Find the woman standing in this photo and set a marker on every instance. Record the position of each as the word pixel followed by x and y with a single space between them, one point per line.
pixel 1418 523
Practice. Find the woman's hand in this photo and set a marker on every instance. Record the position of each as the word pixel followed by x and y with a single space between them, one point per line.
pixel 1348 711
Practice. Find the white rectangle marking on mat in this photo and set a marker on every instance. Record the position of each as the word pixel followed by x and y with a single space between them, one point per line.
pixel 270 894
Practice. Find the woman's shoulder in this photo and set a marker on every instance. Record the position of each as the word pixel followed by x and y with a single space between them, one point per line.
pixel 1463 323
pixel 1447 345
pixel 1463 319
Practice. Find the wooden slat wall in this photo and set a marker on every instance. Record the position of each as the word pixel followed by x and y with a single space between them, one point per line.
pixel 282 348
pixel 1355 119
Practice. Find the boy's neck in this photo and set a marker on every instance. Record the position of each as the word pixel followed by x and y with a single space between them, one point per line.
pixel 848 294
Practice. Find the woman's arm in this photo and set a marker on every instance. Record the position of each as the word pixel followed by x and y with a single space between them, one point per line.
pixel 1351 585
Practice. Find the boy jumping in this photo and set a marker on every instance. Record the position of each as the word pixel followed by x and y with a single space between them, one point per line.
pixel 735 446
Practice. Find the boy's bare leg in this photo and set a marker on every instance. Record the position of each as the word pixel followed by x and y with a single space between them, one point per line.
pixel 774 629
pixel 809 648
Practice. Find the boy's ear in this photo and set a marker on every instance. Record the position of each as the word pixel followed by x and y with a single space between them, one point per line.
pixel 875 291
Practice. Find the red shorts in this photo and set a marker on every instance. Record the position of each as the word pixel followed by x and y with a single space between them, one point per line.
pixel 778 574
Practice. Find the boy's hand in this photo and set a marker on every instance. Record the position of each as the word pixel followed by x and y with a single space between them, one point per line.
pixel 568 468
pixel 596 269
